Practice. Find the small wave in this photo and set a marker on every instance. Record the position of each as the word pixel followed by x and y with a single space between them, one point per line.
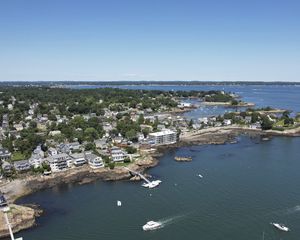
pixel 287 211
pixel 170 220
pixel 293 210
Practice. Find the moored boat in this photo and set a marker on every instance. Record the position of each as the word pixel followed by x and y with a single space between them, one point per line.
pixel 183 159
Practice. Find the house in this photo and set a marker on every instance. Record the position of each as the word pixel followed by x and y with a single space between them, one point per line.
pixel 36 160
pixel 248 119
pixel 117 154
pixel 10 107
pixel 217 124
pixel 4 154
pixel 38 151
pixel 64 148
pixel 18 127
pixel 3 202
pixel 78 159
pixel 184 105
pixel 74 146
pixel 255 126
pixel 7 168
pixel 94 161
pixel 101 144
pixel 227 122
pixel 117 139
pixel 107 127
pixel 163 137
pixel 52 151
pixel 22 165
pixel 203 120
pixel 58 162
pixel 54 133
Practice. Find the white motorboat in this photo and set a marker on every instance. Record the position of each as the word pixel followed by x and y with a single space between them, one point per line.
pixel 119 203
pixel 152 184
pixel 281 227
pixel 200 176
pixel 151 225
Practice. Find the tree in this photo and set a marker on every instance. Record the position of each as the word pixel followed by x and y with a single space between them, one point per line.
pixel 131 135
pixel 191 122
pixel 90 147
pixel 146 131
pixel 130 150
pixel 266 123
pixel 255 116
pixel 111 165
pixel 141 119
pixel 91 134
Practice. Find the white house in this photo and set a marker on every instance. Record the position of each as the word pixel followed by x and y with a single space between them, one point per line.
pixel 54 133
pixel 203 120
pixel 4 154
pixel 36 160
pixel 117 154
pixel 58 162
pixel 78 159
pixel 227 122
pixel 94 160
pixel 184 105
pixel 38 151
pixel 52 151
pixel 163 137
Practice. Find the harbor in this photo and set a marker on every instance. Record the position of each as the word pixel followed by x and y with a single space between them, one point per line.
pixel 233 198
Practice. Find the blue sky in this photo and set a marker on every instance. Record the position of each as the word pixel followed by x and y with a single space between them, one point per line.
pixel 150 40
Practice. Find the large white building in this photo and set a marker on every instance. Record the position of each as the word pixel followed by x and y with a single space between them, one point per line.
pixel 58 162
pixel 117 154
pixel 163 137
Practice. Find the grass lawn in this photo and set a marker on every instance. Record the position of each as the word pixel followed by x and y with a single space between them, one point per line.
pixel 16 156
pixel 279 123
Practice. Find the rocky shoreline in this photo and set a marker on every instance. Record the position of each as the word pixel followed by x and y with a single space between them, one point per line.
pixel 23 217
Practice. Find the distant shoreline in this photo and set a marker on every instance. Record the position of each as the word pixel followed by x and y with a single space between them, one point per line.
pixel 145 83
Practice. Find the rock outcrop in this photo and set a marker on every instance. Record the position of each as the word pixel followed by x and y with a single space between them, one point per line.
pixel 20 217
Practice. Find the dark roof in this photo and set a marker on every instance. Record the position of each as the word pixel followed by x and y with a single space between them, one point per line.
pixel 2 200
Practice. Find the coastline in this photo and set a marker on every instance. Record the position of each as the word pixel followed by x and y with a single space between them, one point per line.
pixel 228 104
pixel 21 187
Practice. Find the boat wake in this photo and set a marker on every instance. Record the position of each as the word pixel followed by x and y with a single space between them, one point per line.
pixel 293 210
pixel 167 221
pixel 287 211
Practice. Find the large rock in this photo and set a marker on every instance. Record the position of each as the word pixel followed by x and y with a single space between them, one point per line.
pixel 20 218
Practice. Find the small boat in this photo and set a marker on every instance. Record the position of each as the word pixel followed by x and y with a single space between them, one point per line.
pixel 151 225
pixel 183 159
pixel 200 176
pixel 152 184
pixel 119 203
pixel 281 227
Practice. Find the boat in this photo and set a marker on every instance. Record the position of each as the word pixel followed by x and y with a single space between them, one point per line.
pixel 152 184
pixel 119 203
pixel 183 159
pixel 281 227
pixel 200 176
pixel 151 225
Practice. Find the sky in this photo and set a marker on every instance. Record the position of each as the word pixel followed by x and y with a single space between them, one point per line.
pixel 209 40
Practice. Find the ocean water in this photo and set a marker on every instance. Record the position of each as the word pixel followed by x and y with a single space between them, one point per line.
pixel 276 96
pixel 245 186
